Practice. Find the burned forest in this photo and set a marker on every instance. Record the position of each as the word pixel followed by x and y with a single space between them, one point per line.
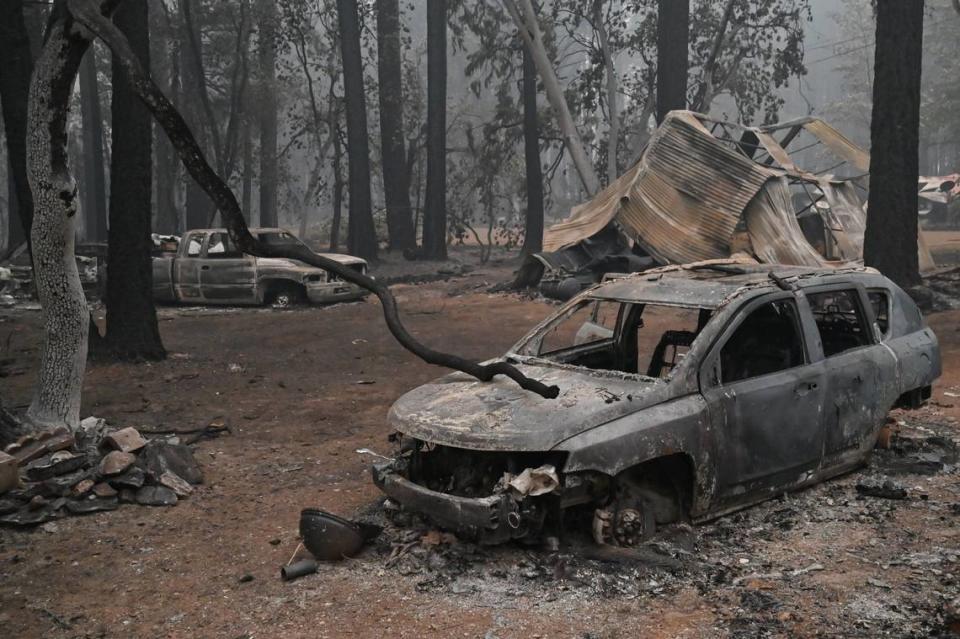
pixel 506 318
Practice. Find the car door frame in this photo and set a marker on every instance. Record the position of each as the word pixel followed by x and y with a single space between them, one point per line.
pixel 740 477
pixel 242 290
pixel 854 379
pixel 186 269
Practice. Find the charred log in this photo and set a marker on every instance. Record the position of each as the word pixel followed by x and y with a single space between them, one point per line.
pixel 89 13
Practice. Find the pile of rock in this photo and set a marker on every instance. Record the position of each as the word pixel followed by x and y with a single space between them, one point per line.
pixel 55 473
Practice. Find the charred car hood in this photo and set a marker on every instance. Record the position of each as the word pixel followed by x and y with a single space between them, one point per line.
pixel 458 410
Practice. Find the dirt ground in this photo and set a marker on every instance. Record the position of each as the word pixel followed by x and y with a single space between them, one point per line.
pixel 304 389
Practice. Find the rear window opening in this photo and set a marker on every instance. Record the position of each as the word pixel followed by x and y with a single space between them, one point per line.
pixel 636 338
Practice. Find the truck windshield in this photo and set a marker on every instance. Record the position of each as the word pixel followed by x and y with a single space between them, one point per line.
pixel 279 239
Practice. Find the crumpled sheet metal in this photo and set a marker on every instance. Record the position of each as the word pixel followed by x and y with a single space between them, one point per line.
pixel 683 200
pixel 774 231
pixel 942 189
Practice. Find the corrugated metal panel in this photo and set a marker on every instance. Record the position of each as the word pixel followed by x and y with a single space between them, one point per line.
pixel 839 144
pixel 686 204
pixel 774 231
pixel 589 218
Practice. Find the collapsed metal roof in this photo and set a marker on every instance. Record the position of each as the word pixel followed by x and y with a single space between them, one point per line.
pixel 705 189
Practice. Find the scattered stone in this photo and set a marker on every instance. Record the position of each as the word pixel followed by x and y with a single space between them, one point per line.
pixel 134 477
pixel 82 488
pixel 176 484
pixel 36 445
pixel 27 517
pixel 9 478
pixel 87 506
pixel 61 485
pixel 115 462
pixel 161 457
pixel 89 435
pixel 128 496
pixel 104 490
pixel 156 496
pixel 37 503
pixel 126 440
pixel 49 527
pixel 59 463
pixel 881 487
pixel 7 506
pixel 247 578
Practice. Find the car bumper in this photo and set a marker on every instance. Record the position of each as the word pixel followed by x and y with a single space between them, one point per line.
pixel 488 520
pixel 326 293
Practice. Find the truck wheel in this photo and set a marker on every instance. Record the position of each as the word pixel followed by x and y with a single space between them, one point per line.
pixel 287 296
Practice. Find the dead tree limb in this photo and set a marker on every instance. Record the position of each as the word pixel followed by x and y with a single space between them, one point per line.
pixel 88 12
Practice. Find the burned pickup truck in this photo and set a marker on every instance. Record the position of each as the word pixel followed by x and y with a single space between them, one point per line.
pixel 685 393
pixel 208 269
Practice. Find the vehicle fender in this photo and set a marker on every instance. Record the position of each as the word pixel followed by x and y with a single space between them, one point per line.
pixel 679 426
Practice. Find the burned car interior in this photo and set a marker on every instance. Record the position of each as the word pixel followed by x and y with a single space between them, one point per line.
pixel 636 338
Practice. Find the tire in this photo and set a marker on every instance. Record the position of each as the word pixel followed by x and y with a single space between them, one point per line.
pixel 286 296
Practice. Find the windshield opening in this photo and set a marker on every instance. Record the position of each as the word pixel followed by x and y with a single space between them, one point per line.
pixel 637 338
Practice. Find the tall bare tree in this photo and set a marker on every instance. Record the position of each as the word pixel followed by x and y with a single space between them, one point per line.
pixel 269 174
pixel 890 241
pixel 673 34
pixel 435 211
pixel 525 18
pixel 15 70
pixel 533 222
pixel 361 235
pixel 396 178
pixel 94 178
pixel 132 332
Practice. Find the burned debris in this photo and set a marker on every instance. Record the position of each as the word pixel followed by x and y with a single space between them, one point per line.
pixel 55 473
pixel 791 193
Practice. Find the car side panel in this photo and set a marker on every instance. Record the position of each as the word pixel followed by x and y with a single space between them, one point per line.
pixel 680 425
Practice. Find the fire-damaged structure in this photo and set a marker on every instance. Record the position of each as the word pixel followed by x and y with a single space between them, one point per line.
pixel 790 193
pixel 685 392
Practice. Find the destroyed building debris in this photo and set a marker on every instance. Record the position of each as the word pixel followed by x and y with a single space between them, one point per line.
pixel 790 193
pixel 57 473
pixel 667 379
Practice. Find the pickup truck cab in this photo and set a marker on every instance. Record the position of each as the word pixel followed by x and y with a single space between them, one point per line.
pixel 208 269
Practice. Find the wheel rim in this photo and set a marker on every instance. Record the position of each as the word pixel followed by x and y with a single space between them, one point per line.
pixel 282 300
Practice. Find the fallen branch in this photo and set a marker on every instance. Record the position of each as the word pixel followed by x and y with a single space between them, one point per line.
pixel 88 12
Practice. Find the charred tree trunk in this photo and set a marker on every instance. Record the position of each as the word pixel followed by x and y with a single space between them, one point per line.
pixel 396 180
pixel 132 332
pixel 361 234
pixel 435 213
pixel 56 399
pixel 94 180
pixel 268 114
pixel 247 188
pixel 16 65
pixel 164 58
pixel 337 180
pixel 533 226
pixel 890 241
pixel 673 33
pixel 198 204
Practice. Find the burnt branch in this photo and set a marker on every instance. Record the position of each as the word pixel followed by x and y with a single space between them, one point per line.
pixel 88 13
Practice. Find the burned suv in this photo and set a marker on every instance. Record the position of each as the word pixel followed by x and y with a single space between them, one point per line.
pixel 685 393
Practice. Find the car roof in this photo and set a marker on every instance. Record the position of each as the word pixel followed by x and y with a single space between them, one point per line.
pixel 710 285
